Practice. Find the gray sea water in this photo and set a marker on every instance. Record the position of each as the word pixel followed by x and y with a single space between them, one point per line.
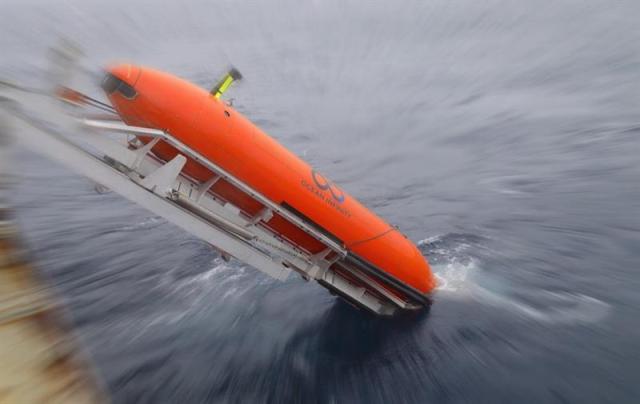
pixel 502 136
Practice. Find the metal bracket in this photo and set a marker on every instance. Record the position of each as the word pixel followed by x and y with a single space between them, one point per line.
pixel 204 187
pixel 264 215
pixel 319 265
pixel 142 152
pixel 161 180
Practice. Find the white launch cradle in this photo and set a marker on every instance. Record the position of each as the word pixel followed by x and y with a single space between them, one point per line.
pixel 111 154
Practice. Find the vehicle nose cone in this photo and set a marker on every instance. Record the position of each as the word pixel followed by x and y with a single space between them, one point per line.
pixel 126 72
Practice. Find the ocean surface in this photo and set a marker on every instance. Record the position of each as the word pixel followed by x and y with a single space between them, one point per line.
pixel 502 136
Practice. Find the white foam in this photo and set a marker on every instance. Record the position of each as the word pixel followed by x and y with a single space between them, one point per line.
pixel 560 308
pixel 453 276
pixel 145 224
pixel 429 240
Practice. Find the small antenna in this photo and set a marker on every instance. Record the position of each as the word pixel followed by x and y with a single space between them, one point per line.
pixel 225 83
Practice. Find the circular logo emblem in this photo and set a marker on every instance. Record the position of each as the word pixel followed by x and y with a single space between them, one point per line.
pixel 324 184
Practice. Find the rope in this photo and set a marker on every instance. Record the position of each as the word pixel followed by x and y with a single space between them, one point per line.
pixel 355 243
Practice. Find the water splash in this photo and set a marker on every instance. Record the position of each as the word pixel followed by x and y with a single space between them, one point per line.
pixel 450 259
pixel 456 269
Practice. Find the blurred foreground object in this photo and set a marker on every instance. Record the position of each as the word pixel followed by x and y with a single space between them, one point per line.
pixel 40 362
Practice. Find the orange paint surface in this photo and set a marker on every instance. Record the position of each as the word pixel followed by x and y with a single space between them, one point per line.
pixel 230 140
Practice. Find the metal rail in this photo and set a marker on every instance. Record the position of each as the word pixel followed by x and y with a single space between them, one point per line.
pixel 122 128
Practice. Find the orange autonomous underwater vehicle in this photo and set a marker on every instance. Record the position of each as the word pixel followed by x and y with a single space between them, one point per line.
pixel 188 156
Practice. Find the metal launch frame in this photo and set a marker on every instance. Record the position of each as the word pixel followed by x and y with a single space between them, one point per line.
pixel 111 153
